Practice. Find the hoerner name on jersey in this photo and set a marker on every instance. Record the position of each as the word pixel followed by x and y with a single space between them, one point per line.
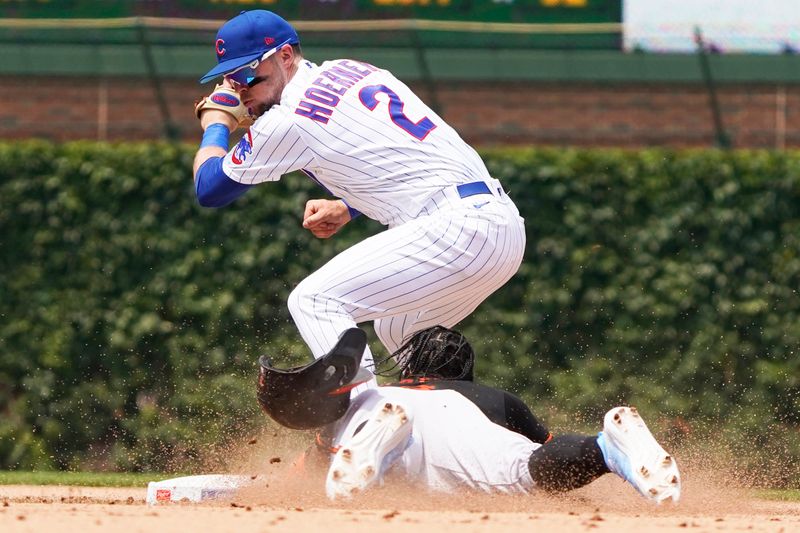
pixel 332 84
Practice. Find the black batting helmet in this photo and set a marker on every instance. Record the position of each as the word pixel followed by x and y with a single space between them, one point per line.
pixel 318 393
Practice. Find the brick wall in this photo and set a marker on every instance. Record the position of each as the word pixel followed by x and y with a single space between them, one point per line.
pixel 586 114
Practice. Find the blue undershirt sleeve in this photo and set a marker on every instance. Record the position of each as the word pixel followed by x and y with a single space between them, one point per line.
pixel 213 187
pixel 353 211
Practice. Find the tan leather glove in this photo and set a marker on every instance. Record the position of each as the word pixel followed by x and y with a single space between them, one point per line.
pixel 227 100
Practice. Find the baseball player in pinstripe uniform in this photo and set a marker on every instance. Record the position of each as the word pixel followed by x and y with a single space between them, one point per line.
pixel 453 237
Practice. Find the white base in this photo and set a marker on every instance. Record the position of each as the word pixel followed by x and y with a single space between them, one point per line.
pixel 195 488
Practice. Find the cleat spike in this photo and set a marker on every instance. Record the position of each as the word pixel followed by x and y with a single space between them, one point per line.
pixel 653 491
pixel 645 472
pixel 674 480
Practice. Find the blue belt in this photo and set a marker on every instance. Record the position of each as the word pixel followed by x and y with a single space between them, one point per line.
pixel 471 189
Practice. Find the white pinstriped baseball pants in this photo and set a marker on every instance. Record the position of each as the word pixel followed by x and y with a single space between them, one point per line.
pixel 433 270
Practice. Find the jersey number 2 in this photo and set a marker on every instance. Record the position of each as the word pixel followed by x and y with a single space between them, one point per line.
pixel 418 130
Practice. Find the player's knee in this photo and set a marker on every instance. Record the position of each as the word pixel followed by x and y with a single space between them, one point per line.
pixel 299 302
pixel 306 299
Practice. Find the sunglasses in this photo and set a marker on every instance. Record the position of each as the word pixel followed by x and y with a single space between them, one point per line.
pixel 245 76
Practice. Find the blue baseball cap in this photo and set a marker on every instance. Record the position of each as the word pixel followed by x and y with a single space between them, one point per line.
pixel 247 37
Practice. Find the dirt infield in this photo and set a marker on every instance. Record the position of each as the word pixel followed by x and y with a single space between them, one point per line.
pixel 606 505
pixel 287 494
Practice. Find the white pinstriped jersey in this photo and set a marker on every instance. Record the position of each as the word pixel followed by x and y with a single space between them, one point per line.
pixel 363 135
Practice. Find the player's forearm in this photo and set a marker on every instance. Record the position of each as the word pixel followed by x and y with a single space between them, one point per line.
pixel 204 154
pixel 212 186
pixel 217 127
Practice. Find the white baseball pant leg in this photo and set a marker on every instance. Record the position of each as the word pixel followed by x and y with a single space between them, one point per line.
pixel 435 269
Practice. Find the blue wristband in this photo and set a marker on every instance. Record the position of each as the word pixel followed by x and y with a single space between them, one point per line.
pixel 216 135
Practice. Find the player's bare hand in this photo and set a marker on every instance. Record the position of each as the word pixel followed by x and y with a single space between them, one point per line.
pixel 323 218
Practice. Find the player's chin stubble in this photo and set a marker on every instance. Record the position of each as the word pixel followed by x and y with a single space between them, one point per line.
pixel 259 109
pixel 273 97
pixel 265 105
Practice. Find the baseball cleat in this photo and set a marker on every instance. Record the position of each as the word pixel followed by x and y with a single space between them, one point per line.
pixel 366 456
pixel 631 452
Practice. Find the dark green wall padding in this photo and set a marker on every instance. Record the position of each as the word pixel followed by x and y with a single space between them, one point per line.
pixel 504 64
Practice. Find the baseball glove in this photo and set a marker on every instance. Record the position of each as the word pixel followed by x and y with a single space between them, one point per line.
pixel 227 100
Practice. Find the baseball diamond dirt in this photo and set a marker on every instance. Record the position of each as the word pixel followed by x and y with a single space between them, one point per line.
pixel 606 507
pixel 291 503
